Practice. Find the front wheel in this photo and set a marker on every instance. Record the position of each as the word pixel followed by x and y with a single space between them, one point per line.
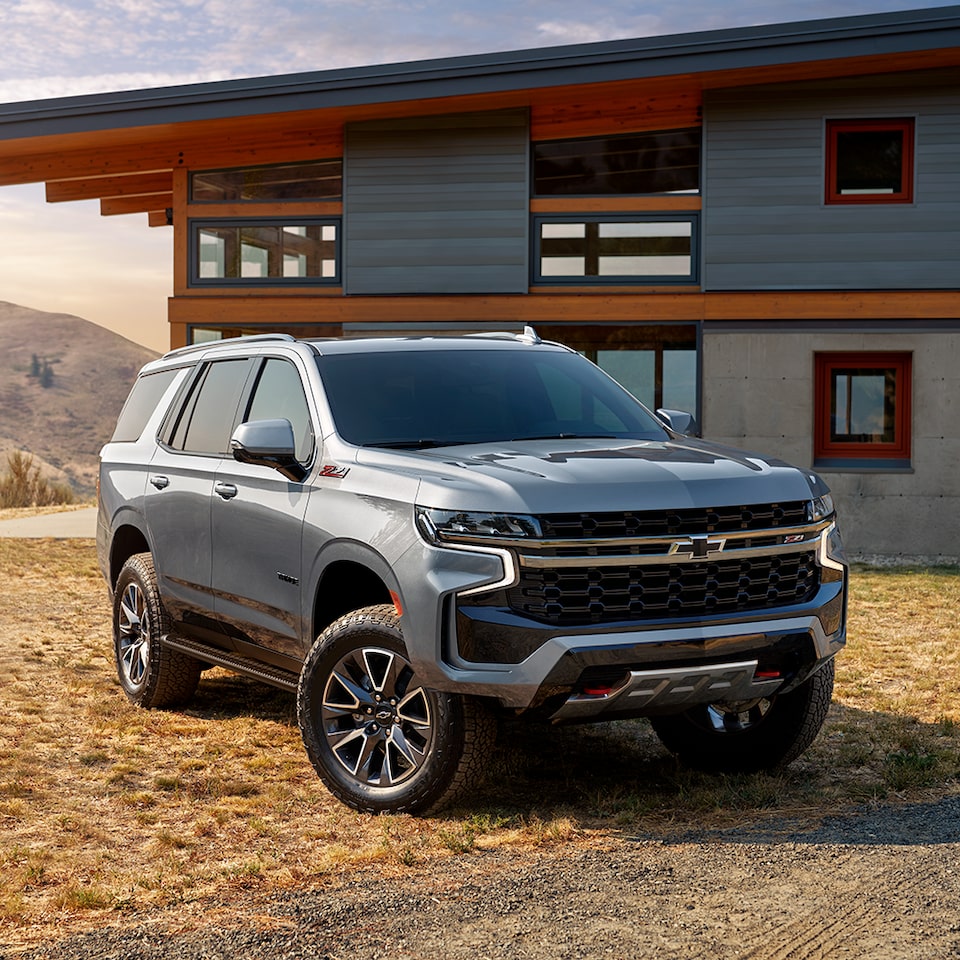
pixel 764 734
pixel 378 738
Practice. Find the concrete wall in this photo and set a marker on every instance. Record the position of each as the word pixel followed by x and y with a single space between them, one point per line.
pixel 758 395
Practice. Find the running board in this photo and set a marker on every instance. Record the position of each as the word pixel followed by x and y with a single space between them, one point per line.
pixel 275 676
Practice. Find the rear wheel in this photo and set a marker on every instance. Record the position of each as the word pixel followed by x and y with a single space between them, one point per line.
pixel 764 734
pixel 378 738
pixel 151 675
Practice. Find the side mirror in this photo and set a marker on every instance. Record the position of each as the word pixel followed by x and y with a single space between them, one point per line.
pixel 268 443
pixel 679 421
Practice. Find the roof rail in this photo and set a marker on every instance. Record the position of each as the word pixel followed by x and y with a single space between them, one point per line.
pixel 248 338
pixel 529 335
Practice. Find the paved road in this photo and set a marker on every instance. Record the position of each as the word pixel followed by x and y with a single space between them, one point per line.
pixel 71 523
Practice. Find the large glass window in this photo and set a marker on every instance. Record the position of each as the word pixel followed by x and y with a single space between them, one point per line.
pixel 870 161
pixel 862 408
pixel 638 248
pixel 198 334
pixel 311 180
pixel 265 251
pixel 657 363
pixel 641 163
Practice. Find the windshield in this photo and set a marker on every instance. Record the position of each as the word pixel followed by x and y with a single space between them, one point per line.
pixel 436 397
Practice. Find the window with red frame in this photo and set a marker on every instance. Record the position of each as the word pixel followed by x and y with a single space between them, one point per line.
pixel 870 161
pixel 862 408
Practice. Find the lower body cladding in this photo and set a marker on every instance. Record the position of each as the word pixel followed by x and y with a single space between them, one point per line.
pixel 618 670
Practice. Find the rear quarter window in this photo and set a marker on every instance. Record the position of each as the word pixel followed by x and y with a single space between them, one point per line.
pixel 147 392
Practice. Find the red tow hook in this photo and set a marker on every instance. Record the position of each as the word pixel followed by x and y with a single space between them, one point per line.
pixel 597 691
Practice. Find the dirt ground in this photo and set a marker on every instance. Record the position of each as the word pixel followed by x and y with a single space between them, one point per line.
pixel 201 834
pixel 880 883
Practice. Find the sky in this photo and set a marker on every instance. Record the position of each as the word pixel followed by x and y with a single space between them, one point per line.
pixel 118 272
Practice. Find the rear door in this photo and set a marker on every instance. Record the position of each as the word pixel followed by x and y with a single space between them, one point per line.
pixel 194 442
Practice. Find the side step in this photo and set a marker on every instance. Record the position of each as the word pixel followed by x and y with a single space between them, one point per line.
pixel 275 676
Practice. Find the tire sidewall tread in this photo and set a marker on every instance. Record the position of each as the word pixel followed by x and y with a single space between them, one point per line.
pixel 463 737
pixel 171 677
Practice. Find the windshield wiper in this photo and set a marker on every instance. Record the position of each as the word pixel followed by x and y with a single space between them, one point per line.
pixel 412 444
pixel 567 436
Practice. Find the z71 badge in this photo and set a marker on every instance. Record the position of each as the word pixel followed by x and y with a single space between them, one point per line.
pixel 332 470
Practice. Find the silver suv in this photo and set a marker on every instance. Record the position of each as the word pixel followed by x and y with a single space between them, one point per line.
pixel 418 535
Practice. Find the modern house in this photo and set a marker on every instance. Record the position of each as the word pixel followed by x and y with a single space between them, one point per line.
pixel 759 225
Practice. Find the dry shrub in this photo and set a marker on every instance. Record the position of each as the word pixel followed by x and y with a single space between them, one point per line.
pixel 22 485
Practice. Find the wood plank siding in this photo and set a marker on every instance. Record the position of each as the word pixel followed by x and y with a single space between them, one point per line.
pixel 437 204
pixel 765 223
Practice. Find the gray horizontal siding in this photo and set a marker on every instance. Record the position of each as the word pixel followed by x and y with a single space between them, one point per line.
pixel 437 205
pixel 765 225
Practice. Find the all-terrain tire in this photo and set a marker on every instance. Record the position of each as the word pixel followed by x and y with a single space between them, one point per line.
pixel 151 674
pixel 379 739
pixel 766 735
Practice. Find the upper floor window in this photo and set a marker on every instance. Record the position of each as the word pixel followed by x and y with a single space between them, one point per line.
pixel 634 249
pixel 311 180
pixel 265 251
pixel 862 409
pixel 641 163
pixel 870 161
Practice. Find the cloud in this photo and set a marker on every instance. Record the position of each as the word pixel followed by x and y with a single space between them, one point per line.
pixel 57 48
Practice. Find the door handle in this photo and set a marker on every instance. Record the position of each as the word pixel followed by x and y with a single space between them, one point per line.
pixel 160 482
pixel 225 490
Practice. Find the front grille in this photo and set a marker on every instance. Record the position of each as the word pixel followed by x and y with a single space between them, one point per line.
pixel 577 595
pixel 670 523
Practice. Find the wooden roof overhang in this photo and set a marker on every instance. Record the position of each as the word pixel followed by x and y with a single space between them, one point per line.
pixel 123 148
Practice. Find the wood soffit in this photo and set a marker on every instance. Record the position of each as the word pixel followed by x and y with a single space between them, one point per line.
pixel 131 168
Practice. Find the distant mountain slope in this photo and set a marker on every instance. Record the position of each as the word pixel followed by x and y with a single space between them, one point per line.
pixel 62 407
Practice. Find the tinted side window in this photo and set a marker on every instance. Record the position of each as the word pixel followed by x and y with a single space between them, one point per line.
pixel 279 394
pixel 207 420
pixel 144 397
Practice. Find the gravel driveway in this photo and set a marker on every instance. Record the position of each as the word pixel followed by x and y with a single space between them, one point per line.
pixel 882 882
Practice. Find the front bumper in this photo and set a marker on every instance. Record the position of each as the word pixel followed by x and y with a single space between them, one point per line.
pixel 633 666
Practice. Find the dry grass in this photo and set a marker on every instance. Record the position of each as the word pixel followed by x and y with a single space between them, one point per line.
pixel 104 807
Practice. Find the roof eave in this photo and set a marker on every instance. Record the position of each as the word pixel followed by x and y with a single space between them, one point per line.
pixel 637 59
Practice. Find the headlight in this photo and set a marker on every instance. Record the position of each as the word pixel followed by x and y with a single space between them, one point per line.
pixel 468 527
pixel 820 508
pixel 831 549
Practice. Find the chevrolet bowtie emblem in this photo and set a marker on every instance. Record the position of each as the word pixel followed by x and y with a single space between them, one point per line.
pixel 697 547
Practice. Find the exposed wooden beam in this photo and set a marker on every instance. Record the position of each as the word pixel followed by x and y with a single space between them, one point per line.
pixel 94 188
pixel 158 218
pixel 146 204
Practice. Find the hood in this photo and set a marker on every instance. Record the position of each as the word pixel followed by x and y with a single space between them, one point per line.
pixel 559 476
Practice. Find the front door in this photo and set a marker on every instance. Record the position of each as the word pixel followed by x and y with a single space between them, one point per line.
pixel 257 525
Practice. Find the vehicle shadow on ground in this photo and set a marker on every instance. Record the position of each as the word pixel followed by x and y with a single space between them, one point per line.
pixel 617 776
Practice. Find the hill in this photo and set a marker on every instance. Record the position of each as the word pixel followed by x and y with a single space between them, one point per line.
pixel 63 381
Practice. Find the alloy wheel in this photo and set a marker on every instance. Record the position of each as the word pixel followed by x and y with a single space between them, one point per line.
pixel 376 717
pixel 133 626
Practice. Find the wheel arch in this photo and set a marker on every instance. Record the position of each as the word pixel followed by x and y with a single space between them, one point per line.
pixel 349 576
pixel 127 541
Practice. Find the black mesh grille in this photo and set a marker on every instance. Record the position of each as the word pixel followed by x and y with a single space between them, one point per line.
pixel 669 523
pixel 575 595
